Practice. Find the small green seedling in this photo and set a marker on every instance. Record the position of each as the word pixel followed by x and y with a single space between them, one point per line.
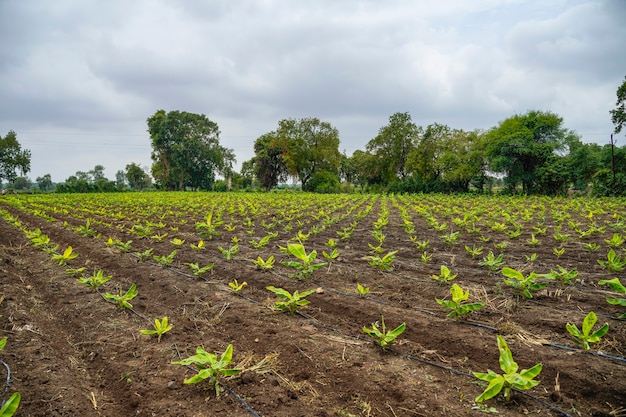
pixel 145 255
pixel 208 228
pixel 585 337
pixel 160 328
pixel 531 258
pixel 332 244
pixel 66 256
pixel 592 247
pixel 306 264
pixel 457 304
pixel 615 242
pixel 75 271
pixel 382 337
pixel 613 263
pixel 292 301
pixel 526 285
pixel 445 275
pixel 332 256
pixel 426 257
pixel 122 299
pixel 210 367
pixel 421 245
pixel 200 246
pixel 197 270
pixel 236 287
pixel 165 260
pixel 362 291
pixel 615 285
pixel 562 275
pixel 510 379
pixel 230 252
pixel 96 280
pixel 533 241
pixel 261 243
pixel 384 263
pixel 558 252
pixel 264 265
pixel 491 262
pixel 177 242
pixel 474 251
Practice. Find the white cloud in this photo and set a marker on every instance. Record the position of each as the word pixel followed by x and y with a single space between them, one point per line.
pixel 94 70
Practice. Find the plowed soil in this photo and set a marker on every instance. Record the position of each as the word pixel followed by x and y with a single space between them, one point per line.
pixel 71 353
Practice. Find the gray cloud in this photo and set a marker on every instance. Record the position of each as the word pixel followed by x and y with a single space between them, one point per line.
pixel 85 75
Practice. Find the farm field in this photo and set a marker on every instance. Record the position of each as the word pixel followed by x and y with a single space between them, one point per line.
pixel 72 352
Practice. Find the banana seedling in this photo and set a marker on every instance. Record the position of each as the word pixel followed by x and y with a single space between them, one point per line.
pixel 526 285
pixel 160 328
pixel 122 299
pixel 200 246
pixel 523 380
pixel 613 262
pixel 306 264
pixel 383 337
pixel 96 280
pixel 236 287
pixel 10 406
pixel 292 301
pixel 197 270
pixel 230 252
pixel 177 242
pixel 210 367
pixel 384 263
pixel 585 337
pixel 362 291
pixel 457 304
pixel 165 260
pixel 264 265
pixel 445 275
pixel 66 256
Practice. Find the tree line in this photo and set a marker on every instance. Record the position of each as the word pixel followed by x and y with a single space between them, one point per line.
pixel 531 153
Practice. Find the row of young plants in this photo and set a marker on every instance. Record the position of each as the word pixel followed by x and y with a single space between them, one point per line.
pixel 307 254
pixel 209 366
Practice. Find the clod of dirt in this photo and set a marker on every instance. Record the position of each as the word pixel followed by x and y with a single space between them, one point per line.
pixel 172 385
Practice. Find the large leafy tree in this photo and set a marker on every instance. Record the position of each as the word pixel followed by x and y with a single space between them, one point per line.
pixel 303 149
pixel 618 114
pixel 186 150
pixel 392 145
pixel 12 157
pixel 522 144
pixel 269 164
pixel 312 148
pixel 137 178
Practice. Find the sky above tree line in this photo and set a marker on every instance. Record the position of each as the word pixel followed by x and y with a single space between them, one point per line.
pixel 79 78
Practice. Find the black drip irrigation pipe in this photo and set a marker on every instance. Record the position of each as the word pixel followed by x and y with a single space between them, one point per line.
pixel 600 354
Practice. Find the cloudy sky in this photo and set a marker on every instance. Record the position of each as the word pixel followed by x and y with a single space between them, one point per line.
pixel 79 78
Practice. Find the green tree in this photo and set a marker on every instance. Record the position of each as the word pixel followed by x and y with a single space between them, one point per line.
pixel 522 144
pixel 12 157
pixel 462 160
pixel 44 183
pixel 312 146
pixel 392 145
pixel 424 160
pixel 137 178
pixel 618 114
pixel 186 150
pixel 269 164
pixel 583 161
pixel 367 170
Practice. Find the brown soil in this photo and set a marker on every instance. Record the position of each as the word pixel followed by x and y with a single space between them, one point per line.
pixel 71 353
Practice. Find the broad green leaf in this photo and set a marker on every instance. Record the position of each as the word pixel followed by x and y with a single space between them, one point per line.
pixel 297 250
pixel 493 389
pixel 588 323
pixel 10 407
pixel 512 273
pixel 507 364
